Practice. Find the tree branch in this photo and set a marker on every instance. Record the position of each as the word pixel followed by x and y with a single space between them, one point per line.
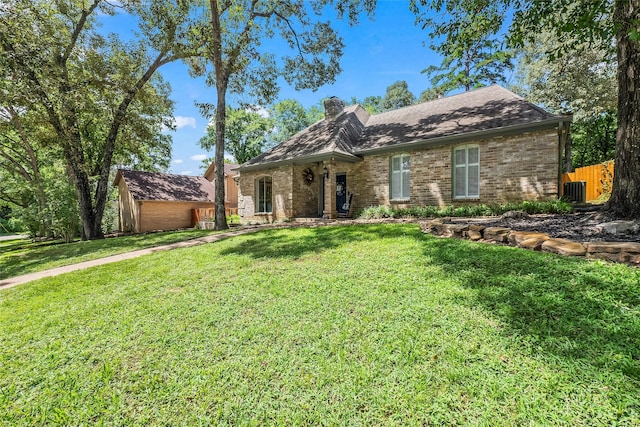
pixel 77 30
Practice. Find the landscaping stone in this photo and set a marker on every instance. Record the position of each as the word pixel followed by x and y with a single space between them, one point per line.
pixel 627 251
pixel 515 215
pixel 534 243
pixel 517 237
pixel 455 230
pixel 497 234
pixel 564 247
pixel 474 232
pixel 619 227
pixel 613 247
pixel 433 226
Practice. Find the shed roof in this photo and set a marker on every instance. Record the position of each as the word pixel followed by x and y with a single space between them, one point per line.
pixel 488 111
pixel 153 186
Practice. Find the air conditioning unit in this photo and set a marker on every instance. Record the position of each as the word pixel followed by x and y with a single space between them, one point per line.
pixel 575 191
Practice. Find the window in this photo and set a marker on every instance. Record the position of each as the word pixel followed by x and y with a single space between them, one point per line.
pixel 400 177
pixel 466 172
pixel 263 195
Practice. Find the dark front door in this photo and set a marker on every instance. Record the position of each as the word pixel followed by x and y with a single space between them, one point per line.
pixel 341 193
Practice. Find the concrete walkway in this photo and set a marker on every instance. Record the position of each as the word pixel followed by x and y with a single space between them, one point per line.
pixel 18 280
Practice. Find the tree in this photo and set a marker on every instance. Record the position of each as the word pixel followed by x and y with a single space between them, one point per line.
pixel 234 48
pixel 289 117
pixel 247 133
pixel 582 82
pixel 88 86
pixel 594 23
pixel 431 94
pixel 472 54
pixel 398 96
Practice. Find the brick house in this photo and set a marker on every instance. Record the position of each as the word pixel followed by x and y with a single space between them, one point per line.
pixel 484 146
pixel 150 201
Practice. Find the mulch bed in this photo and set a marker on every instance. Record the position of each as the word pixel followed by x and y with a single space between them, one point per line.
pixel 579 226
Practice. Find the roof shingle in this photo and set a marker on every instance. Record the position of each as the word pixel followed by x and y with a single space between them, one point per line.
pixel 355 132
pixel 167 187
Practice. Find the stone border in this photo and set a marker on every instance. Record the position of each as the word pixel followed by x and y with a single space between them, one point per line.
pixel 622 252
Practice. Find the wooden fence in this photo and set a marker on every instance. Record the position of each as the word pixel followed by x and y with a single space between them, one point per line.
pixel 599 179
pixel 207 214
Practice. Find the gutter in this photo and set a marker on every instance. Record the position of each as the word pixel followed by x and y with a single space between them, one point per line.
pixel 351 158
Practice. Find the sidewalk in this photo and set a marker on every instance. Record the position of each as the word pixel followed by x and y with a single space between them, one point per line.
pixel 19 280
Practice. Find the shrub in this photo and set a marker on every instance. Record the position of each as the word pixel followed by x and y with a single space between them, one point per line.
pixel 530 207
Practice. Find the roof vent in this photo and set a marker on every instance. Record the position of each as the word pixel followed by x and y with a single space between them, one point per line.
pixel 332 108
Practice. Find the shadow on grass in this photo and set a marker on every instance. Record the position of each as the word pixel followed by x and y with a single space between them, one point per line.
pixel 293 243
pixel 24 257
pixel 570 308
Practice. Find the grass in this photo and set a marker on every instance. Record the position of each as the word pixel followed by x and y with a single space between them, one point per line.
pixel 360 325
pixel 530 207
pixel 23 256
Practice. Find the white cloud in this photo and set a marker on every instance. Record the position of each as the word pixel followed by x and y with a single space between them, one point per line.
pixel 199 157
pixel 186 173
pixel 181 122
pixel 177 161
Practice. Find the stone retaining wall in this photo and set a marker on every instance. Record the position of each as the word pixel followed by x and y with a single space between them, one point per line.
pixel 624 252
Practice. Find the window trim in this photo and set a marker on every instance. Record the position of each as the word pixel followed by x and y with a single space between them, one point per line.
pixel 261 210
pixel 466 148
pixel 402 198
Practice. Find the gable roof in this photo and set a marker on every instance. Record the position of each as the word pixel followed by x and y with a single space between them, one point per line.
pixel 153 186
pixel 482 113
pixel 321 139
pixel 229 170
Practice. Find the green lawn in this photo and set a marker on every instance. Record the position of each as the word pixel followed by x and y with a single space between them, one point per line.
pixel 23 256
pixel 361 325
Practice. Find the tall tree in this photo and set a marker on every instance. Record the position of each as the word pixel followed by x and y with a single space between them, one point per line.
pixel 86 84
pixel 247 134
pixel 397 96
pixel 582 82
pixel 289 117
pixel 241 64
pixel 473 55
pixel 594 22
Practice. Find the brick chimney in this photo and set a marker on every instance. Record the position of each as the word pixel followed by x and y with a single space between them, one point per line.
pixel 332 108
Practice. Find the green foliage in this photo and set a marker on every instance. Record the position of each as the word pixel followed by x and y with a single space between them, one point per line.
pixel 473 55
pixel 530 207
pixel 289 117
pixel 63 211
pixel 594 139
pixel 357 325
pixel 582 81
pixel 96 100
pixel 431 94
pixel 397 96
pixel 247 133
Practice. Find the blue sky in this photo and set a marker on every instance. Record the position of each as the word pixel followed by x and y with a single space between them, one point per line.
pixel 377 53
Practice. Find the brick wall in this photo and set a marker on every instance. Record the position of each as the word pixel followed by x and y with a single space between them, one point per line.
pixel 512 168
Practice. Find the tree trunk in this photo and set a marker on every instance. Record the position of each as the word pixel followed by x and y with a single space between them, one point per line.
pixel 222 80
pixel 625 195
pixel 221 110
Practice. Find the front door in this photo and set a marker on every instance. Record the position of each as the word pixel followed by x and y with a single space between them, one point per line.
pixel 341 193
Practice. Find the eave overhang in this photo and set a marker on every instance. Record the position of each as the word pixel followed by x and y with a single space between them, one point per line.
pixel 314 158
pixel 550 123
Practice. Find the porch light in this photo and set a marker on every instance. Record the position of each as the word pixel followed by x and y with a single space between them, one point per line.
pixel 325 172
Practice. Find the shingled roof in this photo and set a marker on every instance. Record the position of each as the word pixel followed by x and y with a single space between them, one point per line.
pixel 482 113
pixel 152 186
